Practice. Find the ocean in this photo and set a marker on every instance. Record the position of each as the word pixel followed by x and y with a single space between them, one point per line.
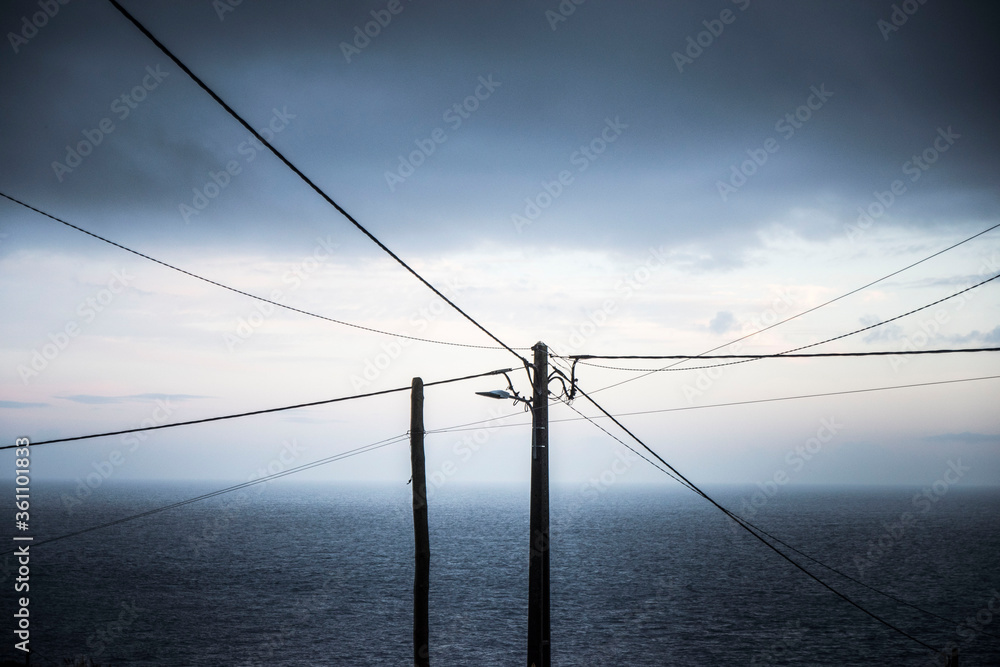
pixel 291 573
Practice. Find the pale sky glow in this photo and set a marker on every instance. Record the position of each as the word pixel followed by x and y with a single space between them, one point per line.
pixel 630 251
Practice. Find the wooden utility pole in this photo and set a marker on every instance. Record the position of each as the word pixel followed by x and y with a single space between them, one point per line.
pixel 538 559
pixel 421 539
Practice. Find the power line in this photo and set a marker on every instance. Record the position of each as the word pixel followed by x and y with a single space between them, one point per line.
pixel 893 319
pixel 467 427
pixel 857 581
pixel 305 178
pixel 809 310
pixel 761 530
pixel 258 412
pixel 305 466
pixel 623 443
pixel 777 354
pixel 747 527
pixel 241 292
pixel 855 291
pixel 805 347
pixel 583 358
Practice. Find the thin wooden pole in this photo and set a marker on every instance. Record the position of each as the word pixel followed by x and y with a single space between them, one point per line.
pixel 421 538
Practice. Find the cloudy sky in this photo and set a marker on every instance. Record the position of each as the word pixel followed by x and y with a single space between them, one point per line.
pixel 609 178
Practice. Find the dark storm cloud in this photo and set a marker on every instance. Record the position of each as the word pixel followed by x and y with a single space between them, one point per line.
pixel 876 102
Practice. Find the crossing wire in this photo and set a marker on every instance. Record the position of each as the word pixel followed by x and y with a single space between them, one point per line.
pixel 241 292
pixel 764 532
pixel 258 412
pixel 468 426
pixel 809 310
pixel 746 526
pixel 822 342
pixel 584 358
pixel 260 480
pixel 306 179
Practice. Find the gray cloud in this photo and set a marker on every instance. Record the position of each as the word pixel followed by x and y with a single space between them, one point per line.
pixel 722 322
pixel 19 405
pixel 991 337
pixel 353 120
pixel 91 399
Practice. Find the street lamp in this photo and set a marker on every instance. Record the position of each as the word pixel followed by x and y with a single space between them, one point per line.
pixel 496 393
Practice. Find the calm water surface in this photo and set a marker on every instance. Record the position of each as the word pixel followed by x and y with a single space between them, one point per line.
pixel 287 574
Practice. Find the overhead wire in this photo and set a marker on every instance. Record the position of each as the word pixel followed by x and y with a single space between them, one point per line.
pixel 669 474
pixel 893 319
pixel 747 527
pixel 145 31
pixel 688 485
pixel 241 292
pixel 257 412
pixel 491 335
pixel 805 347
pixel 761 530
pixel 684 482
pixel 584 359
pixel 814 308
pixel 260 480
pixel 859 582
pixel 468 426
